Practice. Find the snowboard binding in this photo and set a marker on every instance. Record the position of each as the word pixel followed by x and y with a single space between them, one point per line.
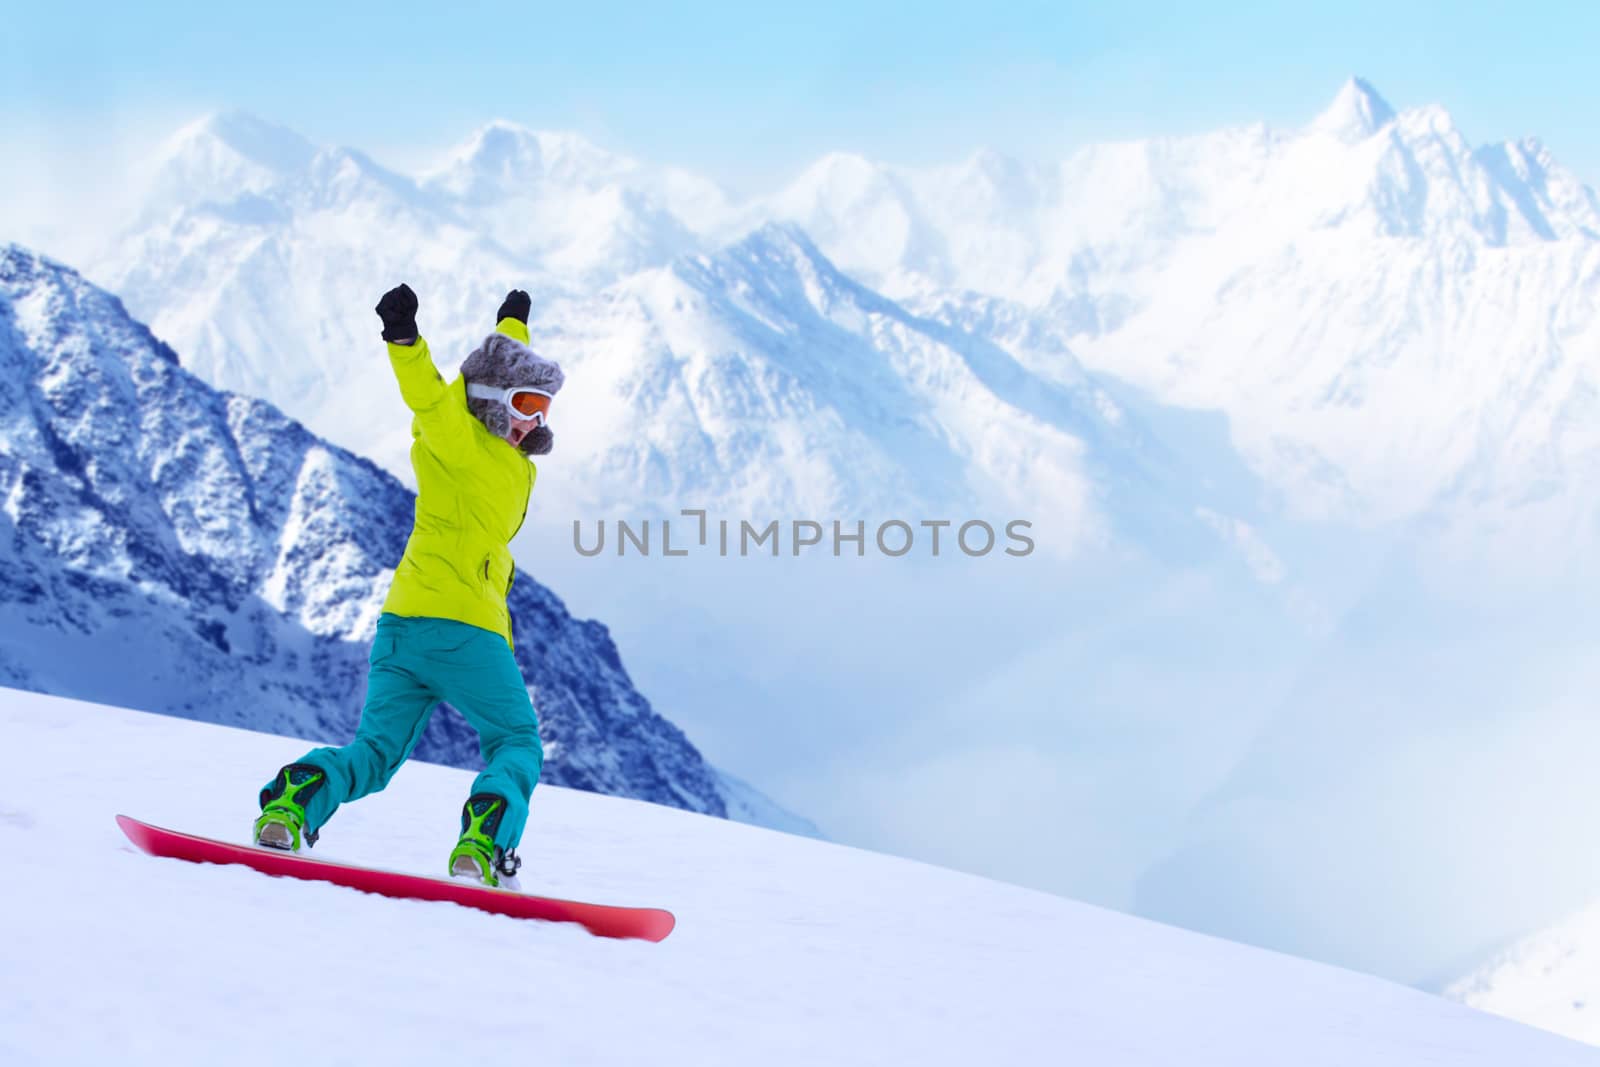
pixel 476 855
pixel 283 812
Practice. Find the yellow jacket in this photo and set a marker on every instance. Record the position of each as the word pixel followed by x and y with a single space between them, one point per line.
pixel 472 495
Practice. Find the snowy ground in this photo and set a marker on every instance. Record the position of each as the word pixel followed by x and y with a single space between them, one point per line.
pixel 1548 980
pixel 787 951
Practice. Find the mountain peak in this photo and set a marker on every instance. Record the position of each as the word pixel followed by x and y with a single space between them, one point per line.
pixel 24 271
pixel 838 178
pixel 1357 112
pixel 784 240
pixel 252 139
pixel 504 156
pixel 836 168
pixel 222 157
pixel 769 251
pixel 498 136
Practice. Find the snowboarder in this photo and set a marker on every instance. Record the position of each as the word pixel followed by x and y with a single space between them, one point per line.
pixel 445 632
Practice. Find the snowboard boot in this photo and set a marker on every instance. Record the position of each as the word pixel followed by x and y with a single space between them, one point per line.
pixel 476 855
pixel 283 807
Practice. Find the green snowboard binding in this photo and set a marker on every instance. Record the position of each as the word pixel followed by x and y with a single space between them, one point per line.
pixel 476 855
pixel 283 807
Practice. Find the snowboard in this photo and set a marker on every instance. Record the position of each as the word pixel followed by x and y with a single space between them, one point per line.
pixel 603 920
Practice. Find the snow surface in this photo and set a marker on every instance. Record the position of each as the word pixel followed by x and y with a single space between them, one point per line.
pixel 787 950
pixel 1549 979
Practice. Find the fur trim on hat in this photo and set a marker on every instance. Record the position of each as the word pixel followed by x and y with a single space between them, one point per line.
pixel 504 362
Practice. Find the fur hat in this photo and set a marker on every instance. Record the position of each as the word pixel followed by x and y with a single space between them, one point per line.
pixel 504 362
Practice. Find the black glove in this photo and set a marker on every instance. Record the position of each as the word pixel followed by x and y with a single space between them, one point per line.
pixel 516 306
pixel 398 310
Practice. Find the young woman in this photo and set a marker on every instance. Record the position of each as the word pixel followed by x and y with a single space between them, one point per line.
pixel 445 633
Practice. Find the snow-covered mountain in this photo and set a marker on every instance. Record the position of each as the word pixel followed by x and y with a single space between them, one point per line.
pixel 1391 318
pixel 745 376
pixel 1108 214
pixel 786 950
pixel 196 552
pixel 761 378
pixel 1396 324
pixel 255 253
pixel 585 214
pixel 1547 979
pixel 258 255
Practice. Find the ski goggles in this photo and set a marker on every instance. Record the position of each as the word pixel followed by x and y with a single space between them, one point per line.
pixel 523 402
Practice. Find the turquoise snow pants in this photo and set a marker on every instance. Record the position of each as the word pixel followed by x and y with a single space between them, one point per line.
pixel 415 663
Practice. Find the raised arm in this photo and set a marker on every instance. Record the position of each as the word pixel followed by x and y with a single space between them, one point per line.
pixel 440 416
pixel 512 318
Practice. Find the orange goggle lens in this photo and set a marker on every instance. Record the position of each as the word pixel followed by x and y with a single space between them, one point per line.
pixel 527 403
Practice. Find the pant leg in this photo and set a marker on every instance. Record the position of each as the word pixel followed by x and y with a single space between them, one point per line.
pixel 398 705
pixel 484 683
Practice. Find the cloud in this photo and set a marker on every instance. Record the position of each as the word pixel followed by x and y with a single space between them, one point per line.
pixel 70 181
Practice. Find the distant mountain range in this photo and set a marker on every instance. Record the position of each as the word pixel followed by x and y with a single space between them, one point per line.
pixel 1428 307
pixel 175 548
pixel 1391 319
pixel 746 374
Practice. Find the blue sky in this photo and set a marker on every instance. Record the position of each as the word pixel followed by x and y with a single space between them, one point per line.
pixel 749 95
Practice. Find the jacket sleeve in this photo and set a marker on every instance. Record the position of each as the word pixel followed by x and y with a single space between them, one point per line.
pixel 441 416
pixel 515 329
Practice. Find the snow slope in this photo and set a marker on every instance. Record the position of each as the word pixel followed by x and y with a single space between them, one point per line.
pixel 787 950
pixel 1548 979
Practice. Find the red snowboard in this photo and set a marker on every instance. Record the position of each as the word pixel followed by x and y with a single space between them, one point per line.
pixel 649 924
